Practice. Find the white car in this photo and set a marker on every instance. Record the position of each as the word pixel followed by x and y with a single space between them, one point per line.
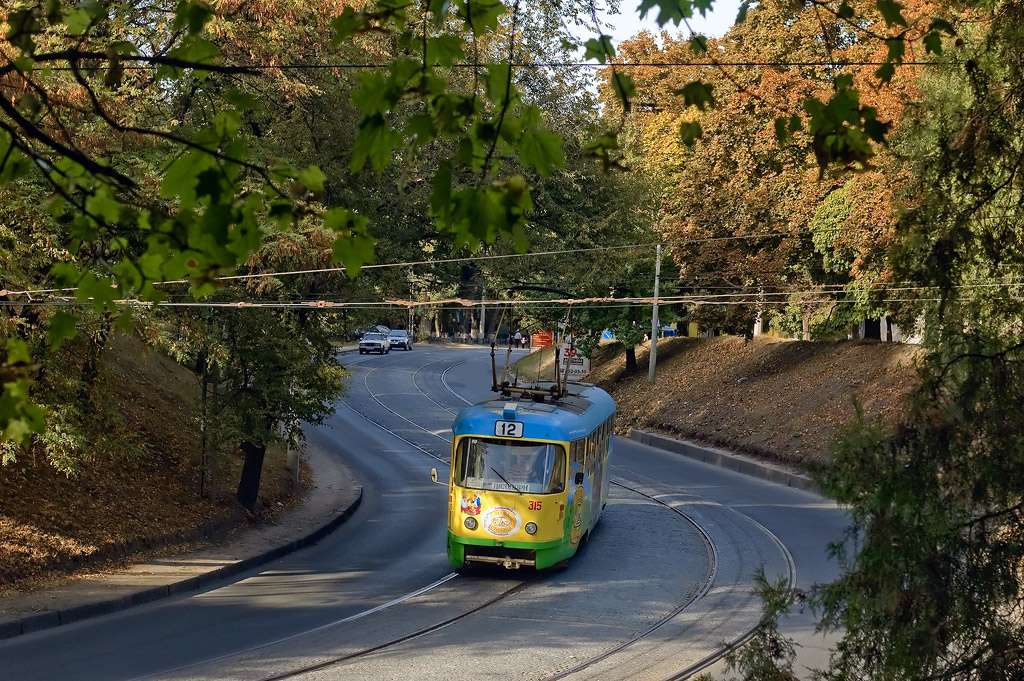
pixel 374 342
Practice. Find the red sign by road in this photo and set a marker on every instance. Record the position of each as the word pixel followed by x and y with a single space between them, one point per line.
pixel 541 339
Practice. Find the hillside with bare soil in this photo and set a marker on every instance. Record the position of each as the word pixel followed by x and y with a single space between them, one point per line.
pixel 775 399
pixel 778 400
pixel 122 508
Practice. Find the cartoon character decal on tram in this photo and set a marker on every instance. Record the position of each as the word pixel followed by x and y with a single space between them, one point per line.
pixel 469 505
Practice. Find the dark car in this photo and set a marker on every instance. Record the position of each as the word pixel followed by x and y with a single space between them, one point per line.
pixel 400 338
pixel 374 342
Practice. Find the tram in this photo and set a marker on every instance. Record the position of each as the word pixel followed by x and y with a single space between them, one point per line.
pixel 529 474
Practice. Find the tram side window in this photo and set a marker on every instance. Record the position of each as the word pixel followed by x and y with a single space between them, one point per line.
pixel 577 450
pixel 557 482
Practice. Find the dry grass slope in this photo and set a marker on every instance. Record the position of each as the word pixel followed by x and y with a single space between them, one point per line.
pixel 117 509
pixel 778 400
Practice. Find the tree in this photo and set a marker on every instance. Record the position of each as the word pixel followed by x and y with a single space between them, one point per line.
pixel 739 207
pixel 72 128
pixel 146 172
pixel 933 586
pixel 938 504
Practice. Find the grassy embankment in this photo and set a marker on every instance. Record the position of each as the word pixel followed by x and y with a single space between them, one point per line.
pixel 124 508
pixel 775 399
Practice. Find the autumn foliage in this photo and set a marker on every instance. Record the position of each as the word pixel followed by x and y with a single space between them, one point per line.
pixel 746 207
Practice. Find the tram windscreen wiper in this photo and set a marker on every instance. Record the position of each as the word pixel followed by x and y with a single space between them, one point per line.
pixel 505 480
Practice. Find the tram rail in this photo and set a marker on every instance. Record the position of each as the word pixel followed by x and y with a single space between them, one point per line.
pixel 527 582
pixel 690 670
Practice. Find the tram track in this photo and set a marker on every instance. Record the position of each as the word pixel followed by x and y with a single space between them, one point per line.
pixel 505 594
pixel 708 660
pixel 391 432
pixel 369 392
pixel 705 587
pixel 424 393
pixel 713 552
pixel 345 616
pixel 576 669
pixel 444 381
pixel 512 591
pixel 325 664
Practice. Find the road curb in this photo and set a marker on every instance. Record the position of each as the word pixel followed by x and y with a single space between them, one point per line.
pixel 17 626
pixel 728 460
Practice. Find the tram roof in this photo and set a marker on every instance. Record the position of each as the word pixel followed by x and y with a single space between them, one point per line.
pixel 578 413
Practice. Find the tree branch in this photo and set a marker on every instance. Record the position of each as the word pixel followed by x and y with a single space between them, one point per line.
pixel 79 157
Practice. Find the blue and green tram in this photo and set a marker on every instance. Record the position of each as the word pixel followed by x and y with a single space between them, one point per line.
pixel 529 475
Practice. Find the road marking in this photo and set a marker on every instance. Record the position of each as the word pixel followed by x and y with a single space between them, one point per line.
pixel 350 618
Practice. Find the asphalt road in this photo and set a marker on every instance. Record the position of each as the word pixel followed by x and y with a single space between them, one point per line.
pixel 673 531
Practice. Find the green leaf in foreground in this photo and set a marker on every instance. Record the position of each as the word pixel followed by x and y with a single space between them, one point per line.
pixel 62 327
pixel 353 245
pixel 313 178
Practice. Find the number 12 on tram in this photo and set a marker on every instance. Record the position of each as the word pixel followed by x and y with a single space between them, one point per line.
pixel 529 478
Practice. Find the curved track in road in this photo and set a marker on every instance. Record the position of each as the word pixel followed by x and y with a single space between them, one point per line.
pixel 378 600
pixel 619 647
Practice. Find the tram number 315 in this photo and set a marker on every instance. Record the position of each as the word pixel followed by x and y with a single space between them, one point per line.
pixel 508 428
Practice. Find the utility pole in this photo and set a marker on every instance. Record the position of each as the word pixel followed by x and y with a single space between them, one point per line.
pixel 654 317
pixel 483 315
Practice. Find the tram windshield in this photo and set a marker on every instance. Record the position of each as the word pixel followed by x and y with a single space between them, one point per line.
pixel 510 466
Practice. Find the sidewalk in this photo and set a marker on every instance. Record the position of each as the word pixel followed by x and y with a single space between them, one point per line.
pixel 333 498
pixel 722 458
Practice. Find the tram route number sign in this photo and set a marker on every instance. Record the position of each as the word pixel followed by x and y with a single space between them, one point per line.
pixel 579 366
pixel 508 428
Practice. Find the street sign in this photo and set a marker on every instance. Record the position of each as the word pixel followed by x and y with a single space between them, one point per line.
pixel 541 339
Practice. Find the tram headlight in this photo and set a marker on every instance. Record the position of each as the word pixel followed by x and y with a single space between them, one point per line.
pixel 531 528
pixel 470 523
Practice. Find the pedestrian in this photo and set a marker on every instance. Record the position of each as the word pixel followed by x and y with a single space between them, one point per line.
pixel 518 339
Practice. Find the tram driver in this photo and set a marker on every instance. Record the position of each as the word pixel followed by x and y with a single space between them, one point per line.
pixel 526 466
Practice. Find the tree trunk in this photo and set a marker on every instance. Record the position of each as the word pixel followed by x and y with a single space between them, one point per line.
pixel 91 368
pixel 630 361
pixel 252 471
pixel 203 365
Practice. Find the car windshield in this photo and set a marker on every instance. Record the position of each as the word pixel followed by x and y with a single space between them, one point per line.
pixel 510 466
pixel 397 334
pixel 373 336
